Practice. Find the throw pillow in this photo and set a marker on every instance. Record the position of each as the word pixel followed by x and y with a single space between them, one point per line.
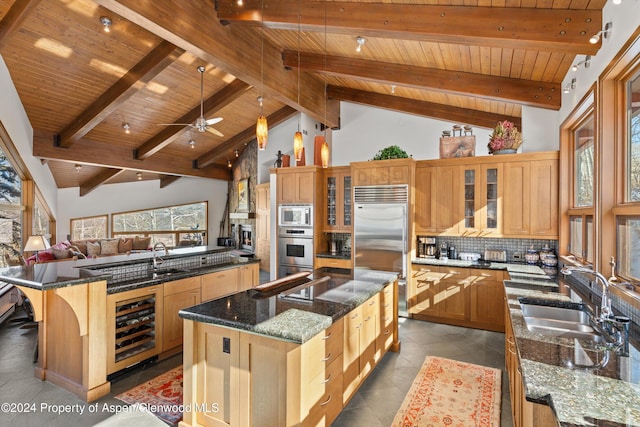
pixel 125 245
pixel 81 245
pixel 109 247
pixel 60 253
pixel 141 243
pixel 93 249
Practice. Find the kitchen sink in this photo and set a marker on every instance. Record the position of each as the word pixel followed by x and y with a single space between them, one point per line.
pixel 565 322
pixel 159 274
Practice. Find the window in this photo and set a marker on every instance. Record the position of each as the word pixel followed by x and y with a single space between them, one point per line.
pixel 10 210
pixel 633 141
pixel 583 164
pixel 628 242
pixel 181 225
pixel 89 228
pixel 41 216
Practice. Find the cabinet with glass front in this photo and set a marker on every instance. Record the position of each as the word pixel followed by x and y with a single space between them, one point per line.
pixel 482 200
pixel 337 197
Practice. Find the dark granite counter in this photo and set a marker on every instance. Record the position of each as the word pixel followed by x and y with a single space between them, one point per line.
pixel 290 317
pixel 124 272
pixel 609 396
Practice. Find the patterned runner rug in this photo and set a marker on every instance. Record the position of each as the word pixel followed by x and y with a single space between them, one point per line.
pixel 161 396
pixel 451 393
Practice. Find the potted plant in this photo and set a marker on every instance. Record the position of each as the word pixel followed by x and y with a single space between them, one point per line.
pixel 391 152
pixel 504 139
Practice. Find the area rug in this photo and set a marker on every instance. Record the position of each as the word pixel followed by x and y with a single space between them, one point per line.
pixel 161 396
pixel 453 394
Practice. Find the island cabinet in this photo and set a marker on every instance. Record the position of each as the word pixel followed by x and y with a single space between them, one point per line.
pixel 178 294
pixel 523 412
pixel 296 185
pixel 382 172
pixel 134 326
pixel 336 215
pixel 249 276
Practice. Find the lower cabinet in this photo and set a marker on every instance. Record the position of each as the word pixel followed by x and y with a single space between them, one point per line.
pixel 219 284
pixel 261 381
pixel 178 294
pixel 523 412
pixel 134 326
pixel 249 276
pixel 459 296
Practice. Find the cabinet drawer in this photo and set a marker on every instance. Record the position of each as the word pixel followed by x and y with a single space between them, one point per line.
pixel 221 283
pixel 181 285
pixel 322 397
pixel 333 262
pixel 321 350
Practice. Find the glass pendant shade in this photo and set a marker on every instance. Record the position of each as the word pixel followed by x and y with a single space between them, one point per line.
pixel 262 132
pixel 324 154
pixel 297 146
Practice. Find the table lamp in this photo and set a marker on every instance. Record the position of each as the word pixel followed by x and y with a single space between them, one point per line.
pixel 36 244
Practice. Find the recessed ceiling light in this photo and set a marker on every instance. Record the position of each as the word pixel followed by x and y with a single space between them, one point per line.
pixel 106 23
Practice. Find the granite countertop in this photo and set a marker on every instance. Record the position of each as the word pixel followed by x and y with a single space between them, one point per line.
pixel 609 396
pixel 59 274
pixel 291 319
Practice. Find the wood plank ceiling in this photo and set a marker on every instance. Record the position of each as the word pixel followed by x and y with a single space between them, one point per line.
pixel 473 62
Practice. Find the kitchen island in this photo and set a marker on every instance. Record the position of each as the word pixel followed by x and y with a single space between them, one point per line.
pixel 291 356
pixel 97 316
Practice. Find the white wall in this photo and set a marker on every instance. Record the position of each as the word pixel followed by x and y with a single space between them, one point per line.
pixel 15 121
pixel 111 198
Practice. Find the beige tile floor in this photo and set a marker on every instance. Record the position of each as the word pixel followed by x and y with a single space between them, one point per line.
pixel 375 404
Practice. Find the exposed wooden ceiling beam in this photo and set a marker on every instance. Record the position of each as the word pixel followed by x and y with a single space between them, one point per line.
pixel 116 156
pixel 215 102
pixel 167 180
pixel 560 30
pixel 224 149
pixel 143 72
pixel 194 26
pixel 14 18
pixel 101 178
pixel 528 92
pixel 420 108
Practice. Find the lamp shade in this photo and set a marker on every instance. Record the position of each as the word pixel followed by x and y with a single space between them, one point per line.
pixel 324 154
pixel 297 146
pixel 36 243
pixel 262 132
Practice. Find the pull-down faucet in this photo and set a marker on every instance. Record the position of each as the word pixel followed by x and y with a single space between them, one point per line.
pixel 605 305
pixel 156 259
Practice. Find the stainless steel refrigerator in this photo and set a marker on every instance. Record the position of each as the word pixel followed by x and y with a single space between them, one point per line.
pixel 380 233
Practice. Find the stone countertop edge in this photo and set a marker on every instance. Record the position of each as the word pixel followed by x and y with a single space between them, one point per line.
pixel 293 325
pixel 578 397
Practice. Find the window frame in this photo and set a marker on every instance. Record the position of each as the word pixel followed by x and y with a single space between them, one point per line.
pixel 106 225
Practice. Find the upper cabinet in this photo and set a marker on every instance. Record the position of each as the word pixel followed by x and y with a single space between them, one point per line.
pixel 296 185
pixel 500 196
pixel 337 199
pixel 382 172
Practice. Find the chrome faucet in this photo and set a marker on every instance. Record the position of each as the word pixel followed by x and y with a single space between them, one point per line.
pixel 156 259
pixel 605 305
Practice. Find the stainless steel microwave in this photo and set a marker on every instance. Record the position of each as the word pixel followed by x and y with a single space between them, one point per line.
pixel 295 216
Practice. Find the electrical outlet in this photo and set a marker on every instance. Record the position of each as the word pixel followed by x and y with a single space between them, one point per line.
pixel 517 256
pixel 226 345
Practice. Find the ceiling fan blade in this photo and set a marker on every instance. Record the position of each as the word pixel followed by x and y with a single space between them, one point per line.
pixel 215 131
pixel 214 120
pixel 174 124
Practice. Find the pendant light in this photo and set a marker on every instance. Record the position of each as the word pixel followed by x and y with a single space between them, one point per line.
pixel 297 138
pixel 262 128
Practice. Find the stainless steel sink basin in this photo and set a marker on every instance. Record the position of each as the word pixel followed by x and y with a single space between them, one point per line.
pixel 159 274
pixel 559 322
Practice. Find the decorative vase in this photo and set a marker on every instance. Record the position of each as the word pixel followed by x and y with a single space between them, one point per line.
pixel 505 151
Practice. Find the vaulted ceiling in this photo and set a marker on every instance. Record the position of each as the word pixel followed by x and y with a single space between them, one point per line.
pixel 473 62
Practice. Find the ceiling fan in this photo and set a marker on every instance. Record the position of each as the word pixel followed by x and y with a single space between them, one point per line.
pixel 201 124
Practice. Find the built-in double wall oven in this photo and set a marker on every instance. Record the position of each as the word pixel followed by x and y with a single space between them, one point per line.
pixel 295 239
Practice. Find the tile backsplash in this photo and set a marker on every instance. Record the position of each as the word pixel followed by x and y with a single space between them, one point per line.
pixel 513 247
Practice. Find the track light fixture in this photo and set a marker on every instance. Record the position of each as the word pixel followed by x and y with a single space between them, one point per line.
pixel 393 89
pixel 192 143
pixel 139 176
pixel 236 153
pixel 604 33
pixel 228 163
pixel 361 41
pixel 78 167
pixel 586 63
pixel 106 23
pixel 571 86
pixel 127 128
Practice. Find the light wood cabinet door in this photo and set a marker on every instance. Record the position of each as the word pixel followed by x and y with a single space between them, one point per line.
pixel 517 178
pixel 219 284
pixel 453 293
pixel 425 203
pixel 448 196
pixel 295 187
pixel 544 198
pixel 263 229
pixel 172 329
pixel 249 276
pixel 424 294
pixel 487 299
